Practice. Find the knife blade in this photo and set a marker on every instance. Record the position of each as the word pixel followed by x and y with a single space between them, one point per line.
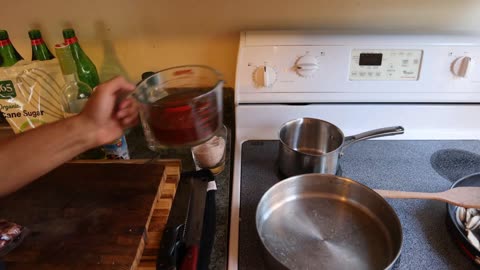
pixel 196 212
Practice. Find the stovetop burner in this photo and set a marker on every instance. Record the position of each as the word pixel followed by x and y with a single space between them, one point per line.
pixel 428 166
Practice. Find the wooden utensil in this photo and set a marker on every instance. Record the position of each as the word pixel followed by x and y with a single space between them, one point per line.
pixel 468 197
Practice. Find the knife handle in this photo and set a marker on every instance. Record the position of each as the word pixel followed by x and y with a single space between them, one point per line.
pixel 190 260
pixel 171 248
pixel 208 234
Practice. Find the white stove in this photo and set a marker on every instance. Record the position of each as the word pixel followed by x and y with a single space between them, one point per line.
pixel 430 85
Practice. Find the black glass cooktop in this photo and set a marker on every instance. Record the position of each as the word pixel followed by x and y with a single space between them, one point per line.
pixel 429 166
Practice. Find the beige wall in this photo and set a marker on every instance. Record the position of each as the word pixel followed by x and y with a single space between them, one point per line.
pixel 153 34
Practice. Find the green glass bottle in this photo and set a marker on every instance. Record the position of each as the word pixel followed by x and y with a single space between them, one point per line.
pixel 87 72
pixel 75 93
pixel 8 53
pixel 40 51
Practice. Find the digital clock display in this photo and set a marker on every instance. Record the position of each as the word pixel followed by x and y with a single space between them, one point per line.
pixel 370 59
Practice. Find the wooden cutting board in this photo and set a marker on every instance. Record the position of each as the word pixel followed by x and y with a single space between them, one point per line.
pixel 93 215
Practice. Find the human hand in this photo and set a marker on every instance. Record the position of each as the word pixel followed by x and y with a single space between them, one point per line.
pixel 106 119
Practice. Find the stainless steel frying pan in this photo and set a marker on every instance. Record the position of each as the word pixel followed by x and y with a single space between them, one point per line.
pixel 322 221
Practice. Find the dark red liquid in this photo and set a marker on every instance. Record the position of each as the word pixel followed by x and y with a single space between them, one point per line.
pixel 177 120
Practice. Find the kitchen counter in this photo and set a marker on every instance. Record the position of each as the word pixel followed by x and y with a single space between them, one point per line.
pixel 138 150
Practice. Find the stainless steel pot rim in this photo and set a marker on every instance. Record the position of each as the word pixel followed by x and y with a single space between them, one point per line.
pixel 456 183
pixel 302 176
pixel 305 153
pixel 305 176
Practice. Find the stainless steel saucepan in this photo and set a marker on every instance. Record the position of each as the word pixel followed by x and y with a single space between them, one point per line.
pixel 309 145
pixel 322 221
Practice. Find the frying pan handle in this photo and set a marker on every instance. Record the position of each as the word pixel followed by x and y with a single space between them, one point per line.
pixel 380 132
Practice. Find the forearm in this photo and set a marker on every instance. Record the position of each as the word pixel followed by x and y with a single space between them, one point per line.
pixel 27 156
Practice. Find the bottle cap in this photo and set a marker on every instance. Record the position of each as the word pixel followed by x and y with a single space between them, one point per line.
pixel 3 34
pixel 68 33
pixel 34 34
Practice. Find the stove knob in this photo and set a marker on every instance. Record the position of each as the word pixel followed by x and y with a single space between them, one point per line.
pixel 264 76
pixel 462 66
pixel 307 65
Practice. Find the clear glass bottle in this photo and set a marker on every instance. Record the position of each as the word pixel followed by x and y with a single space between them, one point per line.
pixel 75 93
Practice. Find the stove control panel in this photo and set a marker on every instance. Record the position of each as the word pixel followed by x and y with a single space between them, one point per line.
pixel 385 65
pixel 311 67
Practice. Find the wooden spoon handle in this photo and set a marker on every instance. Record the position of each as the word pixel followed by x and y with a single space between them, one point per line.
pixel 395 194
pixel 468 197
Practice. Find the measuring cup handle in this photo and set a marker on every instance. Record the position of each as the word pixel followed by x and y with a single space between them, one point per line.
pixel 381 132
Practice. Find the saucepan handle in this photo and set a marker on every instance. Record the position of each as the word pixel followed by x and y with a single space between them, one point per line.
pixel 380 132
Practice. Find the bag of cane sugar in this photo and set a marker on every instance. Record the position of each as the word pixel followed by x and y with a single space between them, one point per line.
pixel 30 94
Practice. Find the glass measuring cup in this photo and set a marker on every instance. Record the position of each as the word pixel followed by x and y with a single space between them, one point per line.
pixel 180 106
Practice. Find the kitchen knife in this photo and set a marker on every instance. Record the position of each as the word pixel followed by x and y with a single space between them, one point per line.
pixel 172 248
pixel 209 227
pixel 194 223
